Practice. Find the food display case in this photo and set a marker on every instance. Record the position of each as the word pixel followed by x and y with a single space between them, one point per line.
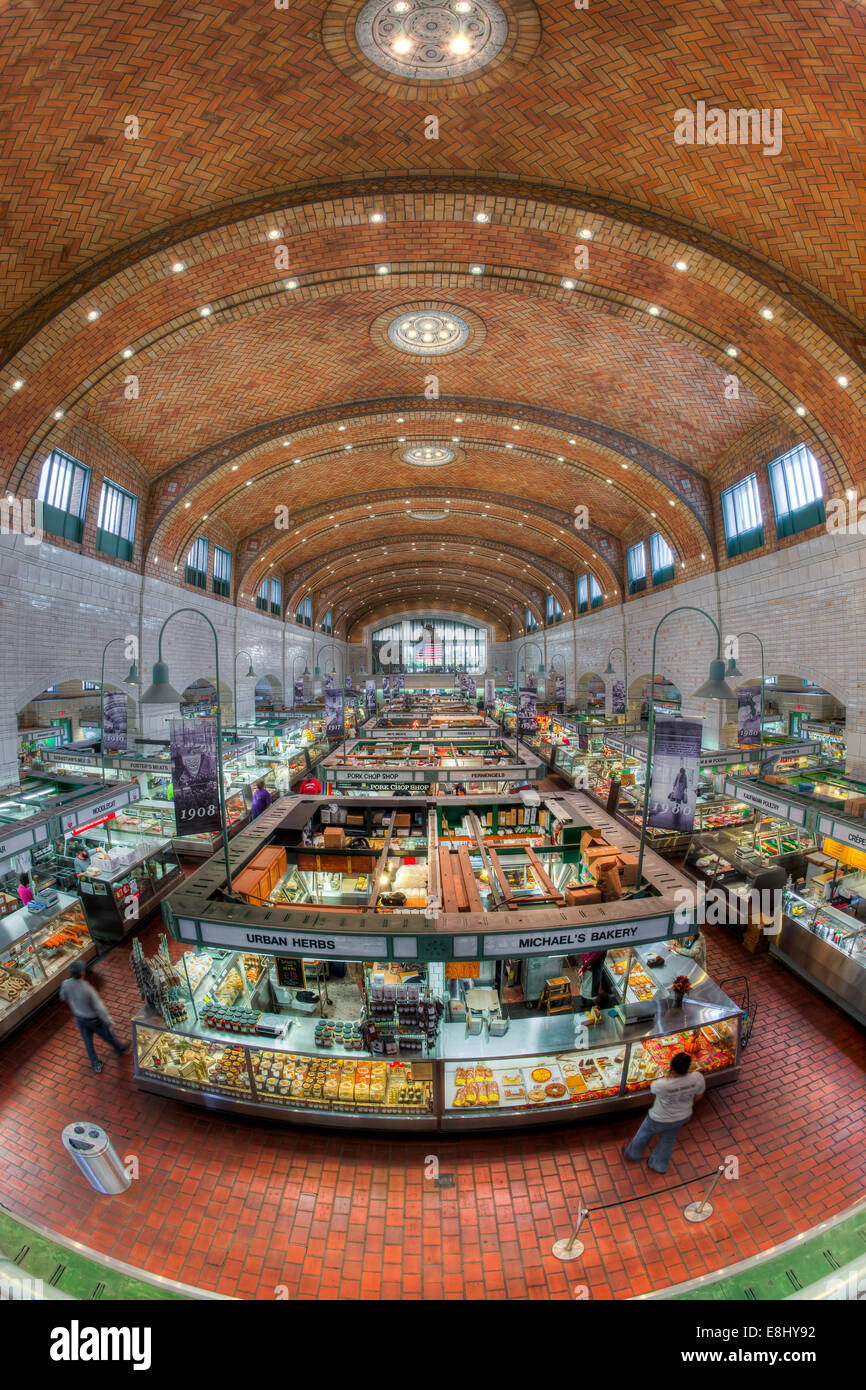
pixel 124 883
pixel 36 946
pixel 825 946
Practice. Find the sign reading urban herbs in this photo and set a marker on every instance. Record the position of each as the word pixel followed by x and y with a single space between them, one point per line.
pixel 194 774
pixel 312 945
pixel 676 764
pixel 335 718
pixel 114 736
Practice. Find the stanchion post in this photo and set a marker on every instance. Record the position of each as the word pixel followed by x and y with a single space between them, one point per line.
pixel 572 1248
pixel 703 1210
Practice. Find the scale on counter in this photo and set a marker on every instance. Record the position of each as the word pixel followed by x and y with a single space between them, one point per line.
pixel 273 1026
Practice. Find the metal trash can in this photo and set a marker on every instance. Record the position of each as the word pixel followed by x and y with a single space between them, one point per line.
pixel 95 1155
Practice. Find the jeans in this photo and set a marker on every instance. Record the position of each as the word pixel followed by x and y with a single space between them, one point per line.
pixel 87 1027
pixel 663 1149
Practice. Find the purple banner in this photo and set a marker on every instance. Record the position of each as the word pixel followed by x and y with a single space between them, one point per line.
pixel 583 740
pixel 398 683
pixel 386 688
pixel 676 762
pixel 748 713
pixel 335 719
pixel 193 746
pixel 114 737
pixel 527 716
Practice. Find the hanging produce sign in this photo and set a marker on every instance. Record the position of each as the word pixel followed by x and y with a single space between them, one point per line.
pixel 193 751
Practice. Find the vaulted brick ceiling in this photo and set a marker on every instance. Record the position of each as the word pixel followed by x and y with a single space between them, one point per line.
pixel 261 129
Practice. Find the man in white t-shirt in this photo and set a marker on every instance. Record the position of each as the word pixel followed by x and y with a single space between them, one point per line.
pixel 674 1096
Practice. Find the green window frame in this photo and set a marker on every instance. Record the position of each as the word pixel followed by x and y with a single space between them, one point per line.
pixel 636 565
pixel 662 559
pixel 797 491
pixel 596 597
pixel 221 582
pixel 742 517
pixel 64 484
pixel 195 571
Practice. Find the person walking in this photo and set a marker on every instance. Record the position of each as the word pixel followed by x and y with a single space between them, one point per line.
pixel 261 799
pixel 90 1013
pixel 674 1096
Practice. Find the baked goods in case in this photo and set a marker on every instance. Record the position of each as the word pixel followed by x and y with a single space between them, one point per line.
pixel 541 1074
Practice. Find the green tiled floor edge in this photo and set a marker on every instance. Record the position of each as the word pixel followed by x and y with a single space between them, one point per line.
pixel 70 1272
pixel 786 1273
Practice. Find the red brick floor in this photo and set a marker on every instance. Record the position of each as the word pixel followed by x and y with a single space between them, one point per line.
pixel 249 1209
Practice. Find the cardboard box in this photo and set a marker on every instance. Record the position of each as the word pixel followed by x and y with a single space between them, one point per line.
pixel 855 806
pixel 403 821
pixel 590 837
pixel 609 883
pixel 755 940
pixel 628 867
pixel 334 836
pixel 356 821
pixel 580 897
pixel 598 863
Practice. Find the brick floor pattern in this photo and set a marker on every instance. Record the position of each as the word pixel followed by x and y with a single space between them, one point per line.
pixel 260 1212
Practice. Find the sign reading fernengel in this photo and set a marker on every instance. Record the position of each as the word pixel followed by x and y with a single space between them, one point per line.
pixel 594 934
pixel 279 942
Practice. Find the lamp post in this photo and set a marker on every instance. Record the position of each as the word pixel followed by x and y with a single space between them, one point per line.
pixel 338 653
pixel 161 692
pixel 305 672
pixel 734 671
pixel 520 652
pixel 250 673
pixel 609 672
pixel 131 678
pixel 715 688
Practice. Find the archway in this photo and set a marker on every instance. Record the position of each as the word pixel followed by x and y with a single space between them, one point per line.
pixel 665 695
pixel 268 692
pixel 589 694
pixel 71 704
pixel 200 698
pixel 795 706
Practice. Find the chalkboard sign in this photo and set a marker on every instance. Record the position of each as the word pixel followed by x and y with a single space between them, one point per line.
pixel 290 972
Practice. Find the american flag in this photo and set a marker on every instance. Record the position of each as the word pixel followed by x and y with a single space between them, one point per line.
pixel 427 649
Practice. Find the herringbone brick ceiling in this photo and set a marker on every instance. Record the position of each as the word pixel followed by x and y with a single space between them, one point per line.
pixel 159 161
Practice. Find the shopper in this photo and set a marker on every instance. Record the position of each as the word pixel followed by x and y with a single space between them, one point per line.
pixel 25 892
pixel 261 799
pixel 591 966
pixel 694 947
pixel 90 1013
pixel 674 1097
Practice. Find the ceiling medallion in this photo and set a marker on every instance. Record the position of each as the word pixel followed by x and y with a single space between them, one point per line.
pixel 418 515
pixel 428 39
pixel 430 332
pixel 428 455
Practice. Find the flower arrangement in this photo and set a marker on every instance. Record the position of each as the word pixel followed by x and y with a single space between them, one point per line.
pixel 681 987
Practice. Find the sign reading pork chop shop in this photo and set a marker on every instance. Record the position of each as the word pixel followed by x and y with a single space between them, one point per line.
pixel 279 942
pixel 592 936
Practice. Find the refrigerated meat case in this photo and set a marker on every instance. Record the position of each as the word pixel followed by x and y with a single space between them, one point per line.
pixel 36 947
pixel 825 946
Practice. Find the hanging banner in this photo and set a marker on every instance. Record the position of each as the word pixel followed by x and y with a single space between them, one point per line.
pixel 676 763
pixel 458 681
pixel 114 722
pixel 329 682
pixel 386 688
pixel 560 689
pixel 398 683
pixel 348 683
pixel 335 719
pixel 617 697
pixel 527 719
pixel 489 694
pixel 529 680
pixel 583 740
pixel 193 749
pixel 370 688
pixel 748 713
pixel 299 690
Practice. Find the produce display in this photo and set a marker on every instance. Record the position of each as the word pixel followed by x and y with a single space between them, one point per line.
pixel 319 1081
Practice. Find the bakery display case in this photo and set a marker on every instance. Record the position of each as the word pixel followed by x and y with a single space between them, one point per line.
pixel 826 946
pixel 36 946
pixel 637 978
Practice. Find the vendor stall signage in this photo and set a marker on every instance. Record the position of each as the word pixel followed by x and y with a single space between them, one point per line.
pixel 570 939
pixel 846 833
pixel 160 766
pixel 675 766
pixel 194 775
pixel 114 721
pixel 312 945
pixel 776 807
pixel 101 808
pixel 344 776
pixel 23 839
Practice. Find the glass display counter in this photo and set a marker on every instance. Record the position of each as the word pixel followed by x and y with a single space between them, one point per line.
pixel 125 883
pixel 825 946
pixel 35 949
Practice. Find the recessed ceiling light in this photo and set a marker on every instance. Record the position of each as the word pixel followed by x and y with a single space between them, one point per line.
pixel 17 384
pixel 187 504
pixel 178 266
pixel 273 234
pixel 509 446
pixel 383 269
pixel 671 502
pixel 851 493
pixel 458 419
pixel 377 217
pixel 290 284
pixel 401 439
pixel 732 351
pixel 572 441
pixel 249 482
pixel 476 270
pixel 205 310
pixel 516 427
pixel 703 556
pixel 652 513
pixel 654 310
pixel 681 265
pixel 799 410
pixel 93 314
pixel 610 480
pixel 127 352
pixel 204 518
pixel 567 284
pixel 234 468
pixel 560 458
pixel 767 314
pixel 585 234
pixel 481 216
pixel 402 45
pixel 347 446
pixel 841 381
pixel 58 414
pixel 625 466
pixel 342 427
